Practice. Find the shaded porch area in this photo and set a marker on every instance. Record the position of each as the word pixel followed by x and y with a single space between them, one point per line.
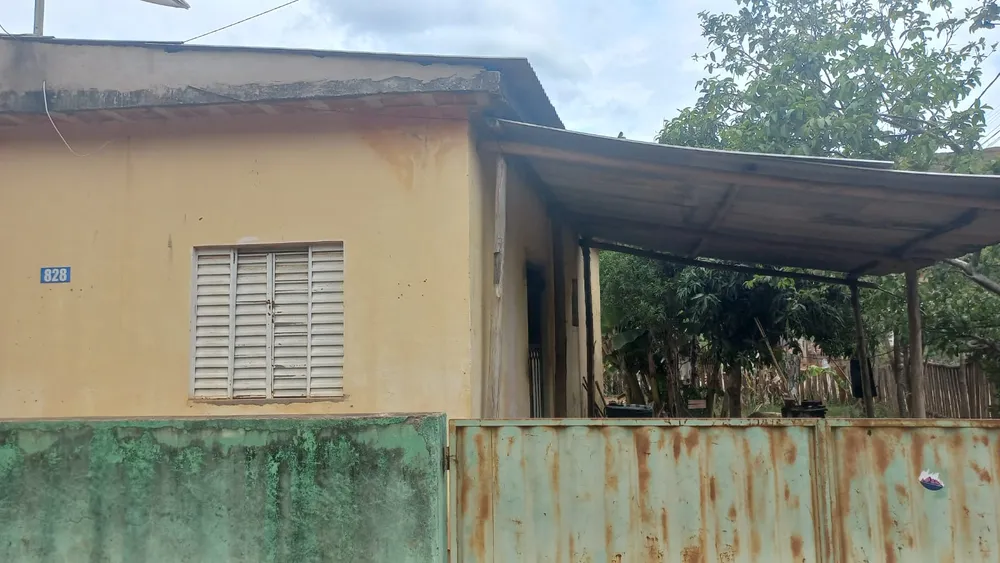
pixel 826 220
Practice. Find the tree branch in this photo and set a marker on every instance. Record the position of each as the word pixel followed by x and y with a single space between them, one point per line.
pixel 887 32
pixel 970 272
pixel 895 120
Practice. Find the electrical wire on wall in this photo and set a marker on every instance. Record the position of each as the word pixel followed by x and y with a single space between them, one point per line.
pixel 45 101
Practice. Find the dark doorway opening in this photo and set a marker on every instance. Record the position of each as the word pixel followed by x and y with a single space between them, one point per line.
pixel 536 339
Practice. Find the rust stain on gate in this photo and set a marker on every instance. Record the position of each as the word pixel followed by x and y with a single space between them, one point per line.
pixel 736 491
pixel 884 510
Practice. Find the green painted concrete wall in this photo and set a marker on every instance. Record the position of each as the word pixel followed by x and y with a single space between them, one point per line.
pixel 215 490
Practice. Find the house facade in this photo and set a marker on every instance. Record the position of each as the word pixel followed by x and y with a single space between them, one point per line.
pixel 224 231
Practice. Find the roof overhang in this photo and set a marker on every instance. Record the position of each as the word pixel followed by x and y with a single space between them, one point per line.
pixel 855 217
pixel 111 76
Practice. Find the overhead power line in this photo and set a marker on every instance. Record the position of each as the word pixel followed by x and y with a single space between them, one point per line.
pixel 991 118
pixel 991 136
pixel 988 86
pixel 234 24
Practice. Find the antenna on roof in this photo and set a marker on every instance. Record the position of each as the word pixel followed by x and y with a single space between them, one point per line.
pixel 40 11
pixel 170 3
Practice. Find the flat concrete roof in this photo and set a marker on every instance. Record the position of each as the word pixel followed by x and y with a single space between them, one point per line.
pixel 94 75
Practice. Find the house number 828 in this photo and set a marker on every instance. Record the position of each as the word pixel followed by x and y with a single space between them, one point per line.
pixel 55 275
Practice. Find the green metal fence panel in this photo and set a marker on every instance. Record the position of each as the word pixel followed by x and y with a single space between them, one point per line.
pixel 623 491
pixel 734 491
pixel 291 489
pixel 882 512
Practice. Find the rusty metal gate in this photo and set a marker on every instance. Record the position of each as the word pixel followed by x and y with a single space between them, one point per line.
pixel 762 491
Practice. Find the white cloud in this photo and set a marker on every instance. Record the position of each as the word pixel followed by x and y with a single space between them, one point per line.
pixel 608 66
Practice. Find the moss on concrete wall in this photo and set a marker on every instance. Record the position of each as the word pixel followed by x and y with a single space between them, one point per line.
pixel 239 489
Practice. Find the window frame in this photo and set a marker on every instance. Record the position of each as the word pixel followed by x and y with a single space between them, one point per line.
pixel 270 249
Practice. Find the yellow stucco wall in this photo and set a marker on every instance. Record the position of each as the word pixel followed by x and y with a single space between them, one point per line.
pixel 116 342
pixel 528 240
pixel 480 258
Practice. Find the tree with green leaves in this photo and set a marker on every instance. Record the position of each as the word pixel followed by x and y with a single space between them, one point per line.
pixel 657 315
pixel 898 80
pixel 637 302
pixel 876 79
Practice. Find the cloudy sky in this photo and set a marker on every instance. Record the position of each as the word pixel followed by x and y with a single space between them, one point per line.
pixel 609 66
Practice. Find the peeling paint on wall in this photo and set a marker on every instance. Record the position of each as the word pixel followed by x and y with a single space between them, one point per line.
pixel 272 489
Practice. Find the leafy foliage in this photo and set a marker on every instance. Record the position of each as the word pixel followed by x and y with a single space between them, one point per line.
pixel 732 318
pixel 883 79
pixel 961 318
pixel 746 319
pixel 878 79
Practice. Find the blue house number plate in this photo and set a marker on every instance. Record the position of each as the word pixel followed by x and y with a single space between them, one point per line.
pixel 59 274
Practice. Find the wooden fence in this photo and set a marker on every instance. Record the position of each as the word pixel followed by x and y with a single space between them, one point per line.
pixel 829 386
pixel 943 388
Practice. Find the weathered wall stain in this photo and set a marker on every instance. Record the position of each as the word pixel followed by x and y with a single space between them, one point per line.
pixel 83 349
pixel 271 489
pixel 93 99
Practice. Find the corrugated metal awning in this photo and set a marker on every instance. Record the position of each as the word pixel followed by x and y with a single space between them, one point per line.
pixel 838 215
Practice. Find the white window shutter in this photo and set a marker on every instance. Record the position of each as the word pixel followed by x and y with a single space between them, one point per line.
pixel 326 321
pixel 291 327
pixel 269 324
pixel 212 331
pixel 251 326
